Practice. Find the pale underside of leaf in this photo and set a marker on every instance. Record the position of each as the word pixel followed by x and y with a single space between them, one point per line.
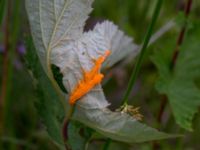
pixel 55 22
pixel 118 126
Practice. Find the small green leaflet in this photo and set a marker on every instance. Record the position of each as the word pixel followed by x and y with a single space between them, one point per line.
pixel 179 85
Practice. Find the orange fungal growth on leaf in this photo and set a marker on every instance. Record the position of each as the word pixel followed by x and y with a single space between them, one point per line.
pixel 90 79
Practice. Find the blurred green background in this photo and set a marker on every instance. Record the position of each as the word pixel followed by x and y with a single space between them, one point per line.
pixel 21 127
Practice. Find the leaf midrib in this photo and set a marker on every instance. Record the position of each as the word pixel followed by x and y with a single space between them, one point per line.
pixel 48 50
pixel 53 34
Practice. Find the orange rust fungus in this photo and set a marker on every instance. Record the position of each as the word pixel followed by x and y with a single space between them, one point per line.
pixel 90 79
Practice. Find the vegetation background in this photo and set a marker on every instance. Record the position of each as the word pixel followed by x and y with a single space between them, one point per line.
pixel 21 127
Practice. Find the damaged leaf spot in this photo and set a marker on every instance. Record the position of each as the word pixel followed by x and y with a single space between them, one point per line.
pixel 58 76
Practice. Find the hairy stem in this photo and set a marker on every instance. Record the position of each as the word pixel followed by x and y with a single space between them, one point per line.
pixel 137 67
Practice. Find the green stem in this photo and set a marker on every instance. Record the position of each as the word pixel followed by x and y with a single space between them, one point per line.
pixel 107 144
pixel 137 67
pixel 88 141
pixel 5 65
pixel 2 10
pixel 10 48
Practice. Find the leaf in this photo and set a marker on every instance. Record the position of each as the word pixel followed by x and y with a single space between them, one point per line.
pixel 107 35
pixel 48 105
pixel 78 136
pixel 61 41
pixel 179 85
pixel 54 23
pixel 81 54
pixel 117 126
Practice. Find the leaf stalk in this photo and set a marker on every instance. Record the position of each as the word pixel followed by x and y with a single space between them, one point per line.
pixel 138 65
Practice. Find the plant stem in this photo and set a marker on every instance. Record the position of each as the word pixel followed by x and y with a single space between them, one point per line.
pixel 107 144
pixel 3 93
pixel 162 107
pixel 137 67
pixel 2 10
pixel 66 122
pixel 13 39
pixel 181 34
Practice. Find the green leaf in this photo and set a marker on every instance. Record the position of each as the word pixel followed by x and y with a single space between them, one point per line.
pixel 78 135
pixel 48 104
pixel 118 126
pixel 179 84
